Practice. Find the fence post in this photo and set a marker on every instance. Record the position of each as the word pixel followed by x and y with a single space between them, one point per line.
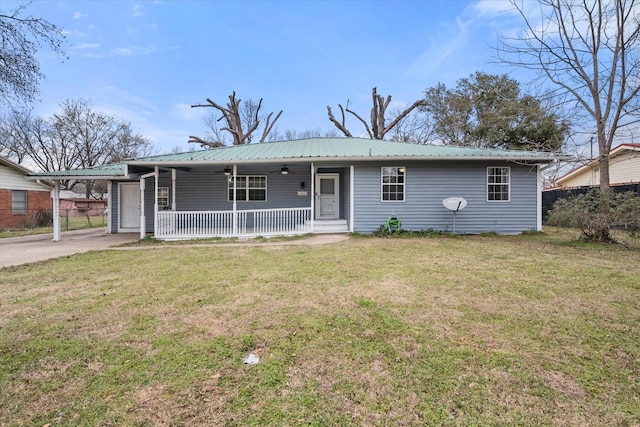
pixel 66 219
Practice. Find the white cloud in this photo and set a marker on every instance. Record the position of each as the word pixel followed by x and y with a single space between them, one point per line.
pixel 185 112
pixel 493 7
pixel 125 51
pixel 137 10
pixel 78 15
pixel 441 48
pixel 86 46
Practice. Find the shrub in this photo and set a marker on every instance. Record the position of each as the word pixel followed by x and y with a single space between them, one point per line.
pixel 44 218
pixel 595 212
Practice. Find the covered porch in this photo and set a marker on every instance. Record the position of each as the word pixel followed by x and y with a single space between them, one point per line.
pixel 298 199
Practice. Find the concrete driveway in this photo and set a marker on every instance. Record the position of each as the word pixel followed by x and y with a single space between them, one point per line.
pixel 24 250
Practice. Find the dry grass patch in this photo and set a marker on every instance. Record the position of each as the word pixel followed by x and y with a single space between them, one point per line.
pixel 481 330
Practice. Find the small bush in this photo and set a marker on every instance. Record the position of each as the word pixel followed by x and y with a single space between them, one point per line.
pixel 383 231
pixel 594 213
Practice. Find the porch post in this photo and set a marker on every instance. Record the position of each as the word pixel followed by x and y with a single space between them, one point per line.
pixel 156 170
pixel 313 195
pixel 235 206
pixel 173 190
pixel 56 211
pixel 352 196
pixel 143 219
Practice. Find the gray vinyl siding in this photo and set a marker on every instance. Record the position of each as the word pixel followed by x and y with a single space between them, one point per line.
pixel 428 183
pixel 205 189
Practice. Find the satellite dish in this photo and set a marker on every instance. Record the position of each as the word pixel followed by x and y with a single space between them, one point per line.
pixel 454 204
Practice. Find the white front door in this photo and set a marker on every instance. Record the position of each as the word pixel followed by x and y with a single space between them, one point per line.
pixel 129 202
pixel 327 196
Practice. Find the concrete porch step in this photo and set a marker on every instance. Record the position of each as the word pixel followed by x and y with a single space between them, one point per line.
pixel 330 226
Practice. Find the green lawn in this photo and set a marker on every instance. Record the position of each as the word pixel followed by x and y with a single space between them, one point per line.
pixel 66 224
pixel 462 331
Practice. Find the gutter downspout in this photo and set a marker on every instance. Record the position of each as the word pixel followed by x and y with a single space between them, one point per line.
pixel 539 199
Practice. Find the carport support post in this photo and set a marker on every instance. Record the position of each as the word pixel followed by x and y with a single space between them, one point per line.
pixel 143 219
pixel 56 211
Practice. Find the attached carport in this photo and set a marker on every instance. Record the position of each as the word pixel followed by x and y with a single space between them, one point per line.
pixel 110 172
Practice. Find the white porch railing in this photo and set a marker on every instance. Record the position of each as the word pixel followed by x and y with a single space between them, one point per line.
pixel 248 223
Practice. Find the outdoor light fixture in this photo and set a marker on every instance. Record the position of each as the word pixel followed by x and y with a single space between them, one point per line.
pixel 302 185
pixel 227 171
pixel 284 170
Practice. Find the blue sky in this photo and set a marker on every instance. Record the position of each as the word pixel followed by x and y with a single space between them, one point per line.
pixel 148 61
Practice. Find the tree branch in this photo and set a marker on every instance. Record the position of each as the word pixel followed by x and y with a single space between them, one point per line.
pixel 339 125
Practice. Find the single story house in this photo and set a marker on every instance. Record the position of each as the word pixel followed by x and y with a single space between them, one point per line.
pixel 320 185
pixel 21 200
pixel 624 168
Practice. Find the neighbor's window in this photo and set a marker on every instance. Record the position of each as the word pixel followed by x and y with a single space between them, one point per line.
pixel 498 184
pixel 393 184
pixel 248 188
pixel 19 202
pixel 163 197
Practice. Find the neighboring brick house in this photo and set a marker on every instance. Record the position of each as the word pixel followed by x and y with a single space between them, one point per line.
pixel 21 199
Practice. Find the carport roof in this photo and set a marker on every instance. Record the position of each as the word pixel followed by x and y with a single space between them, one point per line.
pixel 311 149
pixel 110 171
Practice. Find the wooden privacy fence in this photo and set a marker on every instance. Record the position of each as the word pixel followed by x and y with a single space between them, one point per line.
pixel 549 197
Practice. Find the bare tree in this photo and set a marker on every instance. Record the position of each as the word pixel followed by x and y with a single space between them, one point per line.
pixel 290 135
pixel 21 37
pixel 76 137
pixel 242 120
pixel 591 51
pixel 378 127
pixel 416 127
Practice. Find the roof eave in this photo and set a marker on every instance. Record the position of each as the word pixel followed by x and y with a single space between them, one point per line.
pixel 181 163
pixel 61 177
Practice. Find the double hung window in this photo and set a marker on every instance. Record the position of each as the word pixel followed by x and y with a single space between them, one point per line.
pixel 248 188
pixel 498 184
pixel 19 202
pixel 163 197
pixel 393 184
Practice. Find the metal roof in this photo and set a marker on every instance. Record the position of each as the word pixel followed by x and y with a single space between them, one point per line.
pixel 317 149
pixel 306 150
pixel 113 170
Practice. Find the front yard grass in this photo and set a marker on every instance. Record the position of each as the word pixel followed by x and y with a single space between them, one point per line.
pixel 472 330
pixel 72 223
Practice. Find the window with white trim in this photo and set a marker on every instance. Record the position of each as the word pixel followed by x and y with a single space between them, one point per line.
pixel 248 188
pixel 163 197
pixel 498 184
pixel 19 202
pixel 393 184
